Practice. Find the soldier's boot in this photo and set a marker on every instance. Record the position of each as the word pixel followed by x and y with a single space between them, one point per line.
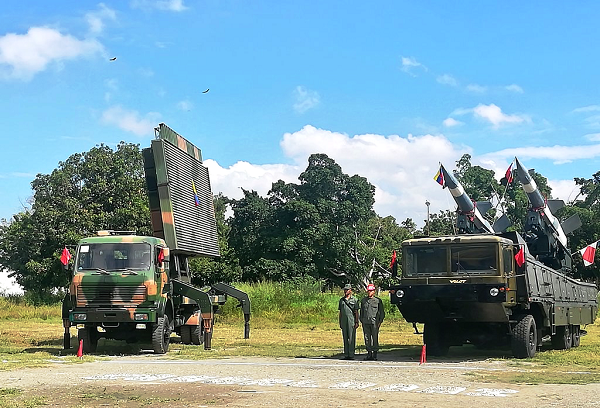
pixel 369 356
pixel 374 356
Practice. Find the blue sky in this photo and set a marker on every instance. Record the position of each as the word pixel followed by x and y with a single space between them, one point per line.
pixel 387 89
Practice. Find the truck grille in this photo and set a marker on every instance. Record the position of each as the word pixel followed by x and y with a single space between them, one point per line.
pixel 111 295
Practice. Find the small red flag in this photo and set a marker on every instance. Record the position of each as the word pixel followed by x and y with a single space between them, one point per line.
pixel 520 257
pixel 65 257
pixel 393 259
pixel 588 254
pixel 423 354
pixel 80 350
pixel 509 175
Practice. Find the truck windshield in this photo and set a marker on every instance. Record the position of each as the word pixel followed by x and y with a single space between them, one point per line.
pixel 114 256
pixel 451 260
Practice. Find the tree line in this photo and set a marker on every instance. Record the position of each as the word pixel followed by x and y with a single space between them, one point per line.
pixel 323 227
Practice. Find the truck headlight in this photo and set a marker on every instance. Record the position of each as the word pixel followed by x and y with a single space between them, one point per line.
pixel 399 293
pixel 141 316
pixel 79 316
pixel 494 291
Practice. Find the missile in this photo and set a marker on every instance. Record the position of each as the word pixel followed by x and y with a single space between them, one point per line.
pixel 464 202
pixel 538 203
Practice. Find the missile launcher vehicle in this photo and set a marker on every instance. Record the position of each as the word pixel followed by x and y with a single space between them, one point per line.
pixel 492 288
pixel 139 288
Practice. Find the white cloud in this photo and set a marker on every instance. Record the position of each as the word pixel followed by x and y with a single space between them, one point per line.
pixel 131 121
pixel 185 105
pixel 494 115
pixel 451 122
pixel 97 18
pixel 409 64
pixel 476 88
pixel 259 178
pixel 594 137
pixel 514 88
pixel 447 79
pixel 8 286
pixel 24 55
pixel 305 99
pixel 556 153
pixel 565 190
pixel 165 5
pixel 590 108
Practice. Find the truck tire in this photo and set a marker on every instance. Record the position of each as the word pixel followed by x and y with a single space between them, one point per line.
pixel 161 335
pixel 197 335
pixel 524 337
pixel 562 339
pixel 89 335
pixel 433 337
pixel 186 335
pixel 575 336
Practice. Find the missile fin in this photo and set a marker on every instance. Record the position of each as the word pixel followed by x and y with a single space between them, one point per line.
pixel 501 224
pixel 555 205
pixel 571 224
pixel 484 206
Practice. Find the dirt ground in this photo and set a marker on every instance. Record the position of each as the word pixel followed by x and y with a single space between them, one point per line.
pixel 153 381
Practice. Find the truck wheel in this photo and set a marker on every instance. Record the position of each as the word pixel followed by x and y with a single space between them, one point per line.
pixel 433 337
pixel 186 335
pixel 161 335
pixel 562 339
pixel 197 335
pixel 89 335
pixel 575 336
pixel 524 337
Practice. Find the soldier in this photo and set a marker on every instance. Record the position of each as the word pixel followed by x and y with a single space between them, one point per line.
pixel 371 316
pixel 348 316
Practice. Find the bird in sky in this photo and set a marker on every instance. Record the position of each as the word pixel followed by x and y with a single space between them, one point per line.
pixel 113 58
pixel 206 90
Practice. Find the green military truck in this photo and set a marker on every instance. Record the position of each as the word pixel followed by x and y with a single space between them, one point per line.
pixel 469 289
pixel 138 288
pixel 492 288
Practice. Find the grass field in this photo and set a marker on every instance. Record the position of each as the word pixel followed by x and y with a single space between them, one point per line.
pixel 288 320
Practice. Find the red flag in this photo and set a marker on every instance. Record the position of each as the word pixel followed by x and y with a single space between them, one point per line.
pixel 588 254
pixel 65 257
pixel 509 175
pixel 394 264
pixel 520 256
pixel 80 350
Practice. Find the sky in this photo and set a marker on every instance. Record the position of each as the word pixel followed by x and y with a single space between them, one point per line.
pixel 389 90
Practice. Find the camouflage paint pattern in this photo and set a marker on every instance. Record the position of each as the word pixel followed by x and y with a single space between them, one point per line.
pixel 123 293
pixel 180 197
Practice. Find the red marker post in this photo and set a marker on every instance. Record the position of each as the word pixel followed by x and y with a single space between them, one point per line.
pixel 80 350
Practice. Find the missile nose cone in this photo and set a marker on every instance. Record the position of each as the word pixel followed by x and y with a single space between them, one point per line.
pixel 449 178
pixel 522 173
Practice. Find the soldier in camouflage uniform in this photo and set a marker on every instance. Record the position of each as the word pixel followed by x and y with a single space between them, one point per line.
pixel 348 316
pixel 371 316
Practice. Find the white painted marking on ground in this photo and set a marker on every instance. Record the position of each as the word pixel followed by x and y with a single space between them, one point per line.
pixel 398 387
pixel 491 392
pixel 440 389
pixel 352 385
pixel 268 382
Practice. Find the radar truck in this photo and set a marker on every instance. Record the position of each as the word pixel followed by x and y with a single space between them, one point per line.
pixel 492 288
pixel 139 288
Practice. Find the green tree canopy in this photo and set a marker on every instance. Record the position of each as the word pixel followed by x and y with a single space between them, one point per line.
pixel 99 189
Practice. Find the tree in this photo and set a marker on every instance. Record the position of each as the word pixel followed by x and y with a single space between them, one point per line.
pixel 310 228
pixel 99 189
pixel 207 271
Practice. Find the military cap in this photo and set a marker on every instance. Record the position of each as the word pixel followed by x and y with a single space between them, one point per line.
pixel 347 286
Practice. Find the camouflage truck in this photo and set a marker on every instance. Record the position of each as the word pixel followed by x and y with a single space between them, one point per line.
pixel 493 288
pixel 139 288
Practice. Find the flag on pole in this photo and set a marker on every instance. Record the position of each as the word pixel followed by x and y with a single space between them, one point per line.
pixel 589 253
pixel 394 264
pixel 509 174
pixel 520 256
pixel 65 256
pixel 196 199
pixel 439 177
